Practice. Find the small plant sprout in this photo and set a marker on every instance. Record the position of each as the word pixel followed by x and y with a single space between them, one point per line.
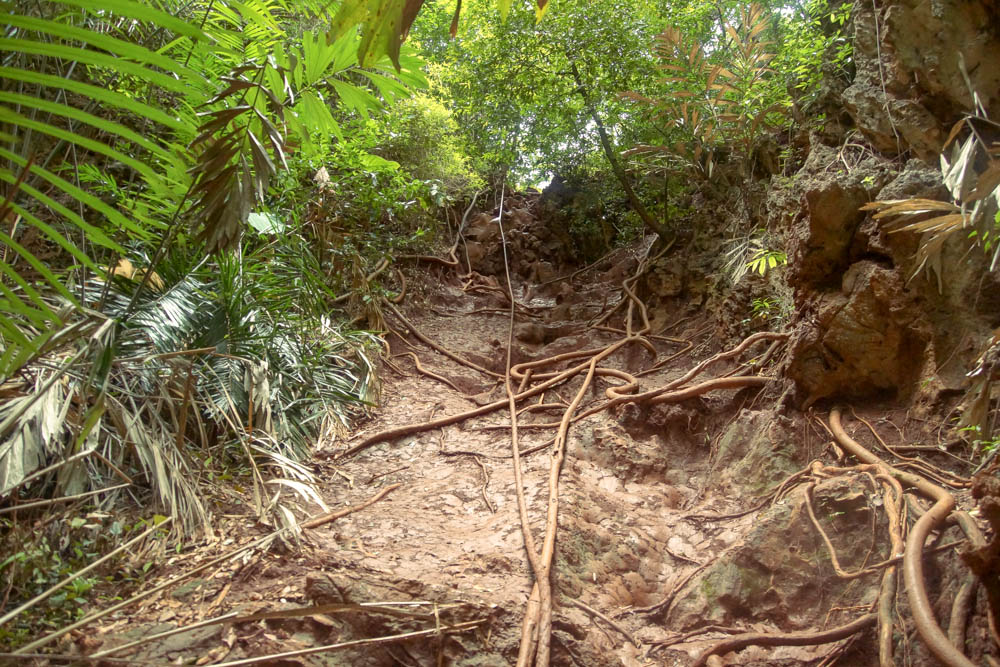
pixel 764 260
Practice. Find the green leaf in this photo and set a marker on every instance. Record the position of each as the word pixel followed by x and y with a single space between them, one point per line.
pixel 381 32
pixel 355 98
pixel 141 12
pixel 350 14
pixel 314 114
pixel 374 162
pixel 541 10
pixel 102 41
pixel 50 277
pixel 54 235
pixel 90 57
pixel 98 93
pixel 95 235
pixel 317 56
pixel 76 138
pixel 389 89
pixel 266 223
pixel 40 316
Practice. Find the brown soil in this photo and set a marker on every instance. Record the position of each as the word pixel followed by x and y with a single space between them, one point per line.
pixel 642 556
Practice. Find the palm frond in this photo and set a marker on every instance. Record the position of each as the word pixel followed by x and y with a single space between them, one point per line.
pixel 44 54
pixel 974 208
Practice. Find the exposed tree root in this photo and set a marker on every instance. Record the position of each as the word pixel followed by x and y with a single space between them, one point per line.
pixel 439 348
pixel 910 551
pixel 738 642
pixel 431 374
pixel 259 543
pixel 535 378
pixel 913 569
pixel 596 614
pixel 339 514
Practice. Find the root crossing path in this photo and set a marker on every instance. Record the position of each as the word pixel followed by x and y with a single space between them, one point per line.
pixel 599 529
pixel 541 485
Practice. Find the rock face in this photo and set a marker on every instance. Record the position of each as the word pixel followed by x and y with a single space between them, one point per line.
pixel 757 452
pixel 867 324
pixel 533 248
pixel 782 574
pixel 866 340
pixel 910 56
pixel 828 203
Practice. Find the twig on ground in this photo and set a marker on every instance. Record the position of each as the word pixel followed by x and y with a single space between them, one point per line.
pixel 333 516
pixel 276 657
pixel 439 348
pixel 266 539
pixel 593 612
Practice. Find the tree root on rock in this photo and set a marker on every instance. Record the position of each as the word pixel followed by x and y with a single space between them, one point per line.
pixel 535 378
pixel 737 642
pixel 913 569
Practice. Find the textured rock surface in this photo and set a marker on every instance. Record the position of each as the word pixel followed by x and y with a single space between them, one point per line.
pixel 781 573
pixel 826 198
pixel 866 340
pixel 909 55
pixel 757 452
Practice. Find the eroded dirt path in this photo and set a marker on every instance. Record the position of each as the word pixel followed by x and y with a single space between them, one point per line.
pixel 450 533
pixel 653 538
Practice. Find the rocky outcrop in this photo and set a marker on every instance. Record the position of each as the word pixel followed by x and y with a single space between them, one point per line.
pixel 756 453
pixel 782 574
pixel 912 59
pixel 865 340
pixel 534 246
pixel 827 199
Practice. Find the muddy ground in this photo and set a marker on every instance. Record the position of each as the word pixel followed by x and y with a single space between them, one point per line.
pixel 679 524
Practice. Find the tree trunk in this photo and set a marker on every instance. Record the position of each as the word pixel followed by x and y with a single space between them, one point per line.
pixel 616 167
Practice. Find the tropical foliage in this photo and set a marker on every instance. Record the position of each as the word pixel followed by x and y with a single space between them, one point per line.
pixel 160 263
pixel 970 169
pixel 723 103
pixel 142 324
pixel 509 79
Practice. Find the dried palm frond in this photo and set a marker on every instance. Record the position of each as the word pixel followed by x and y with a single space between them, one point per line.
pixel 972 175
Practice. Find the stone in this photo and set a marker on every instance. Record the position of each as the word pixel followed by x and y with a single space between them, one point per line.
pixel 476 253
pixel 909 85
pixel 829 199
pixel 756 453
pixel 866 340
pixel 782 574
pixel 529 332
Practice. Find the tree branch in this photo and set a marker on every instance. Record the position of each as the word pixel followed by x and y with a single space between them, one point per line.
pixel 616 167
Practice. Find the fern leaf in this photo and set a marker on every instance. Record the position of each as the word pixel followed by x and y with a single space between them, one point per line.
pixel 101 94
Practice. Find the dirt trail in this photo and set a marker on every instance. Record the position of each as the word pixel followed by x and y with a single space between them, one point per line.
pixel 452 533
pixel 445 550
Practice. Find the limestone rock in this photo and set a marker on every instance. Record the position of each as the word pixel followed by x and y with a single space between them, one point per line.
pixel 830 201
pixel 782 573
pixel 867 339
pixel 909 54
pixel 758 451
